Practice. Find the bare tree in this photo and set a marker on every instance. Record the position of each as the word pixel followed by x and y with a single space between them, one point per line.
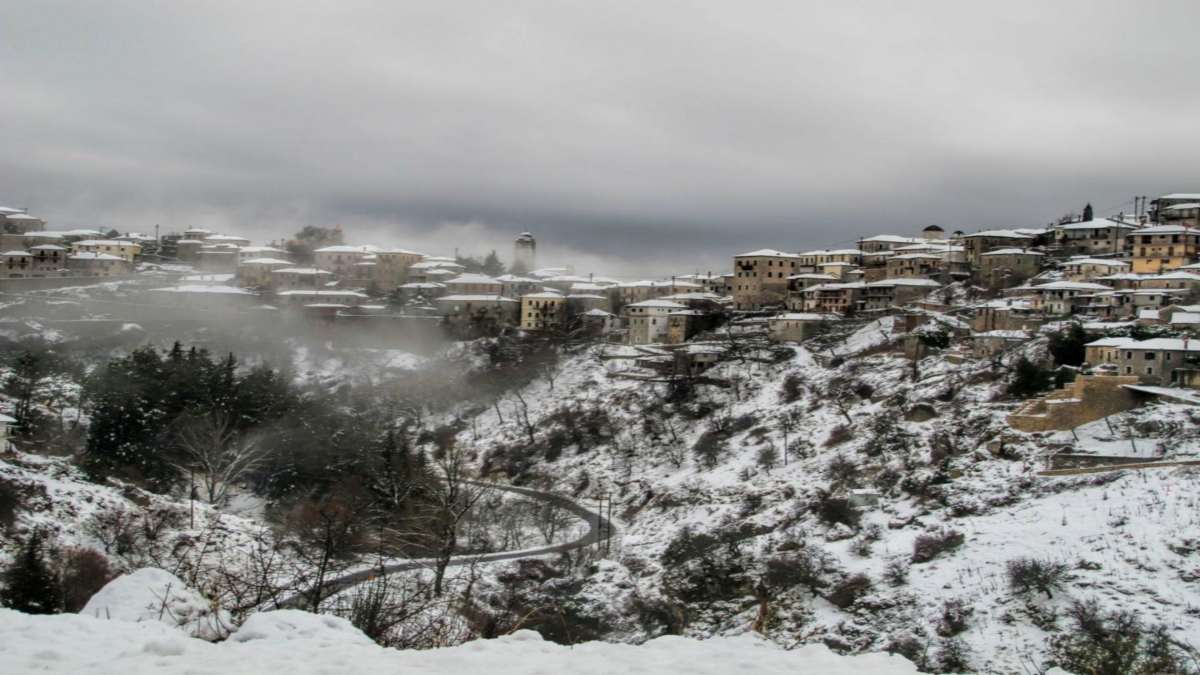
pixel 449 501
pixel 522 409
pixel 217 452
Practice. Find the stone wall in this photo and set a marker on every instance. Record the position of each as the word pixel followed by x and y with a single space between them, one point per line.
pixel 1087 399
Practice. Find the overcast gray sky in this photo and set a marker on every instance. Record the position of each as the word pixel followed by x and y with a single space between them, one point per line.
pixel 665 134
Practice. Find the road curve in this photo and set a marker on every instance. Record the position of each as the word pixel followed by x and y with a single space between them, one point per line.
pixel 596 524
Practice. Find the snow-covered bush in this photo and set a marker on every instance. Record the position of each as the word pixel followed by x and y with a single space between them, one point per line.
pixel 152 594
pixel 928 546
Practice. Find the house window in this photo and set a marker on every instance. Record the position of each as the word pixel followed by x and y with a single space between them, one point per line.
pixel 1149 370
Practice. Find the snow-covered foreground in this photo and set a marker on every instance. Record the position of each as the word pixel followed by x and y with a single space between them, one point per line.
pixel 294 642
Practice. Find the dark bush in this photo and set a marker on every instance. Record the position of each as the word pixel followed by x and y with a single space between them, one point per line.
pixel 709 449
pixel 910 648
pixel 792 388
pixel 838 435
pixel 834 509
pixel 1029 379
pixel 805 567
pixel 842 471
pixel 849 590
pixel 955 615
pixel 926 547
pixel 1030 575
pixel 10 499
pixel 84 571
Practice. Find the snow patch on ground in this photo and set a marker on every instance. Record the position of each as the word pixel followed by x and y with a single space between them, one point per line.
pixel 285 642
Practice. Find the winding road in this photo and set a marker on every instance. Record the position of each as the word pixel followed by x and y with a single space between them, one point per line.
pixel 598 525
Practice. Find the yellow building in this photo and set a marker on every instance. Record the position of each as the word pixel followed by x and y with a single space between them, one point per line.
pixel 1163 247
pixel 126 250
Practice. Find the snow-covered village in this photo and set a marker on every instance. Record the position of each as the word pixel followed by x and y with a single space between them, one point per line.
pixel 599 339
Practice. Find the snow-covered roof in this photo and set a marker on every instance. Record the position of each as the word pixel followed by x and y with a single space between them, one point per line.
pixel 514 279
pixel 1174 276
pixel 813 275
pixel 693 296
pixel 302 271
pixel 1013 251
pixel 1111 342
pixel 475 298
pixel 1004 334
pixel 892 239
pixel 1166 344
pixel 346 248
pixel 904 282
pixel 14 254
pixel 1185 318
pixel 913 256
pixel 1094 224
pixel 5 419
pixel 766 253
pixel 47 247
pixel 265 261
pixel 203 288
pixel 44 235
pixel 1181 195
pixel 397 251
pixel 105 242
pixel 1102 262
pixel 434 263
pixel 21 216
pixel 422 286
pixel 320 294
pixel 472 279
pixel 804 316
pixel 94 256
pixel 544 295
pixel 597 312
pixel 657 304
pixel 1167 229
pixel 999 234
pixel 1183 206
pixel 1071 286
pixel 835 251
pixel 1148 314
pixel 224 237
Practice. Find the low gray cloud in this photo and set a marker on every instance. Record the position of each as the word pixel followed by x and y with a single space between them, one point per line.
pixel 657 136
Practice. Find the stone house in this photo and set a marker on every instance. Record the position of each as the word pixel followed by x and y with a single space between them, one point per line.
pixel 1063 297
pixel 290 278
pixel 981 242
pixel 1083 269
pixel 17 264
pixel 597 322
pixel 341 259
pixel 1161 361
pixel 1006 314
pixel 391 268
pixel 1179 280
pixel 513 286
pixel 257 272
pixel 473 284
pixel 888 293
pixel 1105 350
pixel 648 320
pixel 491 311
pixel 1100 236
pixel 760 278
pixel 48 259
pixel 328 297
pixel 797 326
pixel 987 344
pixel 914 266
pixel 833 298
pixel 1008 267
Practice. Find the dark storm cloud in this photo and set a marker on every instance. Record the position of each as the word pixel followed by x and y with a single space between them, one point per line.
pixel 672 131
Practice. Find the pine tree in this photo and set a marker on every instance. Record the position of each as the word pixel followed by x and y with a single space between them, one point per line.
pixel 1087 212
pixel 29 585
pixel 492 265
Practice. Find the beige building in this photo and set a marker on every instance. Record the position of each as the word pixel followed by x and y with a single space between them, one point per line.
pixel 484 312
pixel 392 266
pixel 473 284
pixel 341 259
pixel 48 259
pixel 761 278
pixel 1086 269
pixel 98 265
pixel 256 272
pixel 295 278
pixel 890 293
pixel 1164 247
pixel 648 320
pixel 544 311
pixel 126 250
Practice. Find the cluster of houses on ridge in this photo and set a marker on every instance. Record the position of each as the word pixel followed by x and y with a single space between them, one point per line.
pixel 1005 284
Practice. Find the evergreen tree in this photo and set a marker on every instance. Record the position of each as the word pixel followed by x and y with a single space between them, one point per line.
pixel 492 265
pixel 29 585
pixel 1087 212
